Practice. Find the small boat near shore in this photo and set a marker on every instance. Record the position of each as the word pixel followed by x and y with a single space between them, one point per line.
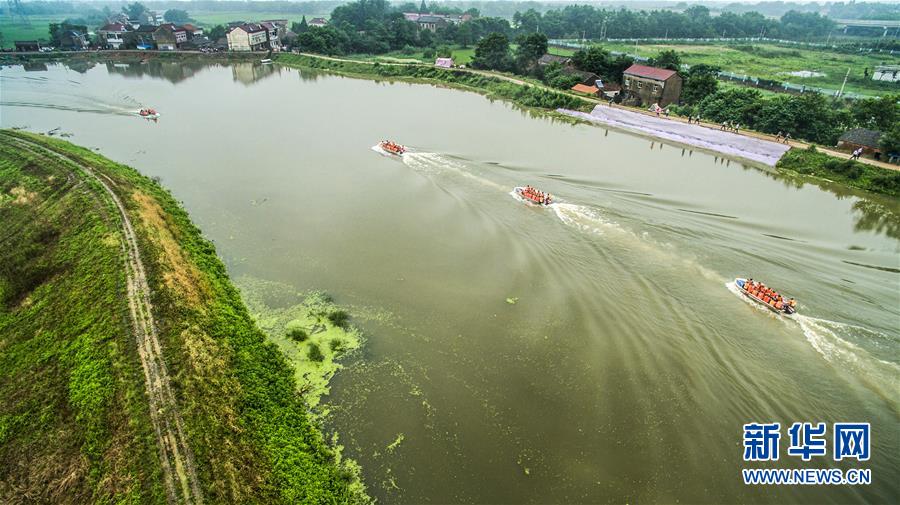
pixel 532 195
pixel 392 147
pixel 765 296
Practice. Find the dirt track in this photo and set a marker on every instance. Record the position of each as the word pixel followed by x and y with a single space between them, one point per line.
pixel 179 471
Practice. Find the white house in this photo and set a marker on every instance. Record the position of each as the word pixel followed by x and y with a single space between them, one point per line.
pixel 248 37
pixel 112 35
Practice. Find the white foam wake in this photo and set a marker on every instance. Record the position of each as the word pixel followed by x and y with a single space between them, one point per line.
pixel 826 338
pixel 433 163
pixel 583 218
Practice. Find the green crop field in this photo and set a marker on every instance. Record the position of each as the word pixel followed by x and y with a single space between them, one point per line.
pixel 225 17
pixel 770 61
pixel 37 28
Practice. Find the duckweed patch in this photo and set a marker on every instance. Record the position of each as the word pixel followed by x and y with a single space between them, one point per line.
pixel 309 328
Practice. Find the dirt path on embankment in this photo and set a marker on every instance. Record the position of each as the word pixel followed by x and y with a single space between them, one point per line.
pixel 179 471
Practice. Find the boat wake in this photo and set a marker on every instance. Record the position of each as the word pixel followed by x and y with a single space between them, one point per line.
pixel 835 342
pixel 583 218
pixel 849 347
pixel 109 110
pixel 433 164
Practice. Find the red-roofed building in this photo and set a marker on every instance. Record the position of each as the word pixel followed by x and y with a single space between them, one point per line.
pixel 652 85
pixel 588 90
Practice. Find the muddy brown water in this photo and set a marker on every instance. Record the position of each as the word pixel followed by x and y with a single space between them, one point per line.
pixel 587 352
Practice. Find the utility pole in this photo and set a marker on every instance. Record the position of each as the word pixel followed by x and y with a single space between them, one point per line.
pixel 841 92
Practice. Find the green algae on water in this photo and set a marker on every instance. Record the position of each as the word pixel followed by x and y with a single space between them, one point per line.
pixel 284 314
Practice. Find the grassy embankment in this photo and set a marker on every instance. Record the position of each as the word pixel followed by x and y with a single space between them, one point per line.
pixel 774 62
pixel 845 171
pixel 73 424
pixel 493 87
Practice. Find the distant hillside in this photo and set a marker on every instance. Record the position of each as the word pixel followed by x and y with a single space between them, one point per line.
pixel 130 369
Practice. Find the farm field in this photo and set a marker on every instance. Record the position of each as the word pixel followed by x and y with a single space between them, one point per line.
pixel 36 29
pixel 770 61
pixel 224 17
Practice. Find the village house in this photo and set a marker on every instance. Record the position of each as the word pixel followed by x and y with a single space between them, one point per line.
pixel 169 37
pixel 273 28
pixel 862 138
pixel 317 22
pixel 248 37
pixel 651 85
pixel 141 37
pixel 23 46
pixel 547 59
pixel 154 18
pixel 431 23
pixel 192 31
pixel 112 35
pixel 72 40
pixel 444 62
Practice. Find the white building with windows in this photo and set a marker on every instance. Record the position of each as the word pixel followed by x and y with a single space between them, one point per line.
pixel 112 35
pixel 248 37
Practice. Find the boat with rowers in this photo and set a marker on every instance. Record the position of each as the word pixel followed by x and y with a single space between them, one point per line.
pixel 391 147
pixel 766 296
pixel 534 196
pixel 148 113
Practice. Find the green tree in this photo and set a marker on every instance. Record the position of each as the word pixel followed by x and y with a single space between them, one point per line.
pixel 667 59
pixel 530 48
pixel 699 83
pixel 216 32
pixel 492 52
pixel 176 16
pixel 423 8
pixel 877 113
pixel 464 35
pixel 301 27
pixel 555 75
pixel 134 10
pixel 593 59
pixel 57 29
pixel 890 140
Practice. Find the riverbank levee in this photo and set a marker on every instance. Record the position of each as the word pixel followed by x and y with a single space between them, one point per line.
pixel 723 142
pixel 131 369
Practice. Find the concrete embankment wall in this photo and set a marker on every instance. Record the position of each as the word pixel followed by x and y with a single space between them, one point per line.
pixel 729 144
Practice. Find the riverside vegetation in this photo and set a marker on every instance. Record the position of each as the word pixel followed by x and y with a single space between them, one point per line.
pixel 74 424
pixel 493 87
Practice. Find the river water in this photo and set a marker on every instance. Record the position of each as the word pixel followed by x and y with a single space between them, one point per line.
pixel 586 352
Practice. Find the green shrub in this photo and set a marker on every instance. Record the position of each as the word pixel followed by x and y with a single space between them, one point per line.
pixel 314 353
pixel 337 345
pixel 297 334
pixel 339 318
